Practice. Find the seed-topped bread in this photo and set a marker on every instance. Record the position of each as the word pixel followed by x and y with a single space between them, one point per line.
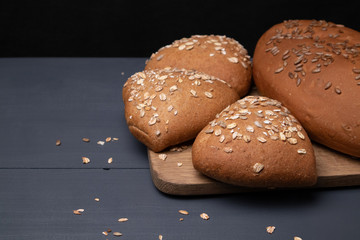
pixel 218 56
pixel 170 106
pixel 255 142
pixel 313 67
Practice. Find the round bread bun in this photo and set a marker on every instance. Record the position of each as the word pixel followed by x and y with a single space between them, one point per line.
pixel 255 142
pixel 313 68
pixel 170 106
pixel 218 56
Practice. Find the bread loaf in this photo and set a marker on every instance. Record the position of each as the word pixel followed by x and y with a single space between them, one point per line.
pixel 313 68
pixel 170 106
pixel 215 55
pixel 255 142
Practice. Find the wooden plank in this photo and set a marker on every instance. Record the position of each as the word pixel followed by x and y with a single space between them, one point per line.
pixel 39 203
pixel 45 99
pixel 334 170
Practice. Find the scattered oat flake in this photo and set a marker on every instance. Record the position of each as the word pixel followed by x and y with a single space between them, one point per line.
pixel 85 160
pixel 105 233
pixel 160 237
pixel 115 139
pixel 184 212
pixel 162 156
pixel 117 234
pixel 270 229
pixel 110 160
pixel 204 216
pixel 179 164
pixel 101 143
pixel 78 211
pixel 86 139
pixel 181 219
pixel 58 142
pixel 123 220
pixel 108 139
pixel 297 238
pixel 97 199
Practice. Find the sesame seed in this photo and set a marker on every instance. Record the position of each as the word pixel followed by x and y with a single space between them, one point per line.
pixel 316 70
pixel 338 90
pixel 327 85
pixel 159 57
pixel 279 70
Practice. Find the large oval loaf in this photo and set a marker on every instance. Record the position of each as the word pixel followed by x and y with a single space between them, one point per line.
pixel 218 56
pixel 170 106
pixel 255 142
pixel 313 68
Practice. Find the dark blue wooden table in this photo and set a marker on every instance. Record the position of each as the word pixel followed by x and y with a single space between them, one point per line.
pixel 45 99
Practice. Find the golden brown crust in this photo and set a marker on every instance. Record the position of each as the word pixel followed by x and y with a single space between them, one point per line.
pixel 217 56
pixel 255 142
pixel 170 106
pixel 313 67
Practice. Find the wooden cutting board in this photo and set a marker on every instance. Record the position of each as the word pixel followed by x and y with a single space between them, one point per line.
pixel 334 169
pixel 176 175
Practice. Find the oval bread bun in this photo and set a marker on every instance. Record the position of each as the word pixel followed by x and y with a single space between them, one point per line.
pixel 170 106
pixel 313 68
pixel 255 142
pixel 218 56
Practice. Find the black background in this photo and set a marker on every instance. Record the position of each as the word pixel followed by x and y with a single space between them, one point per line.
pixel 115 28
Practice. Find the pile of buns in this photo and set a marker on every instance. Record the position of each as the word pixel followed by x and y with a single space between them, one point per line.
pixel 308 73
